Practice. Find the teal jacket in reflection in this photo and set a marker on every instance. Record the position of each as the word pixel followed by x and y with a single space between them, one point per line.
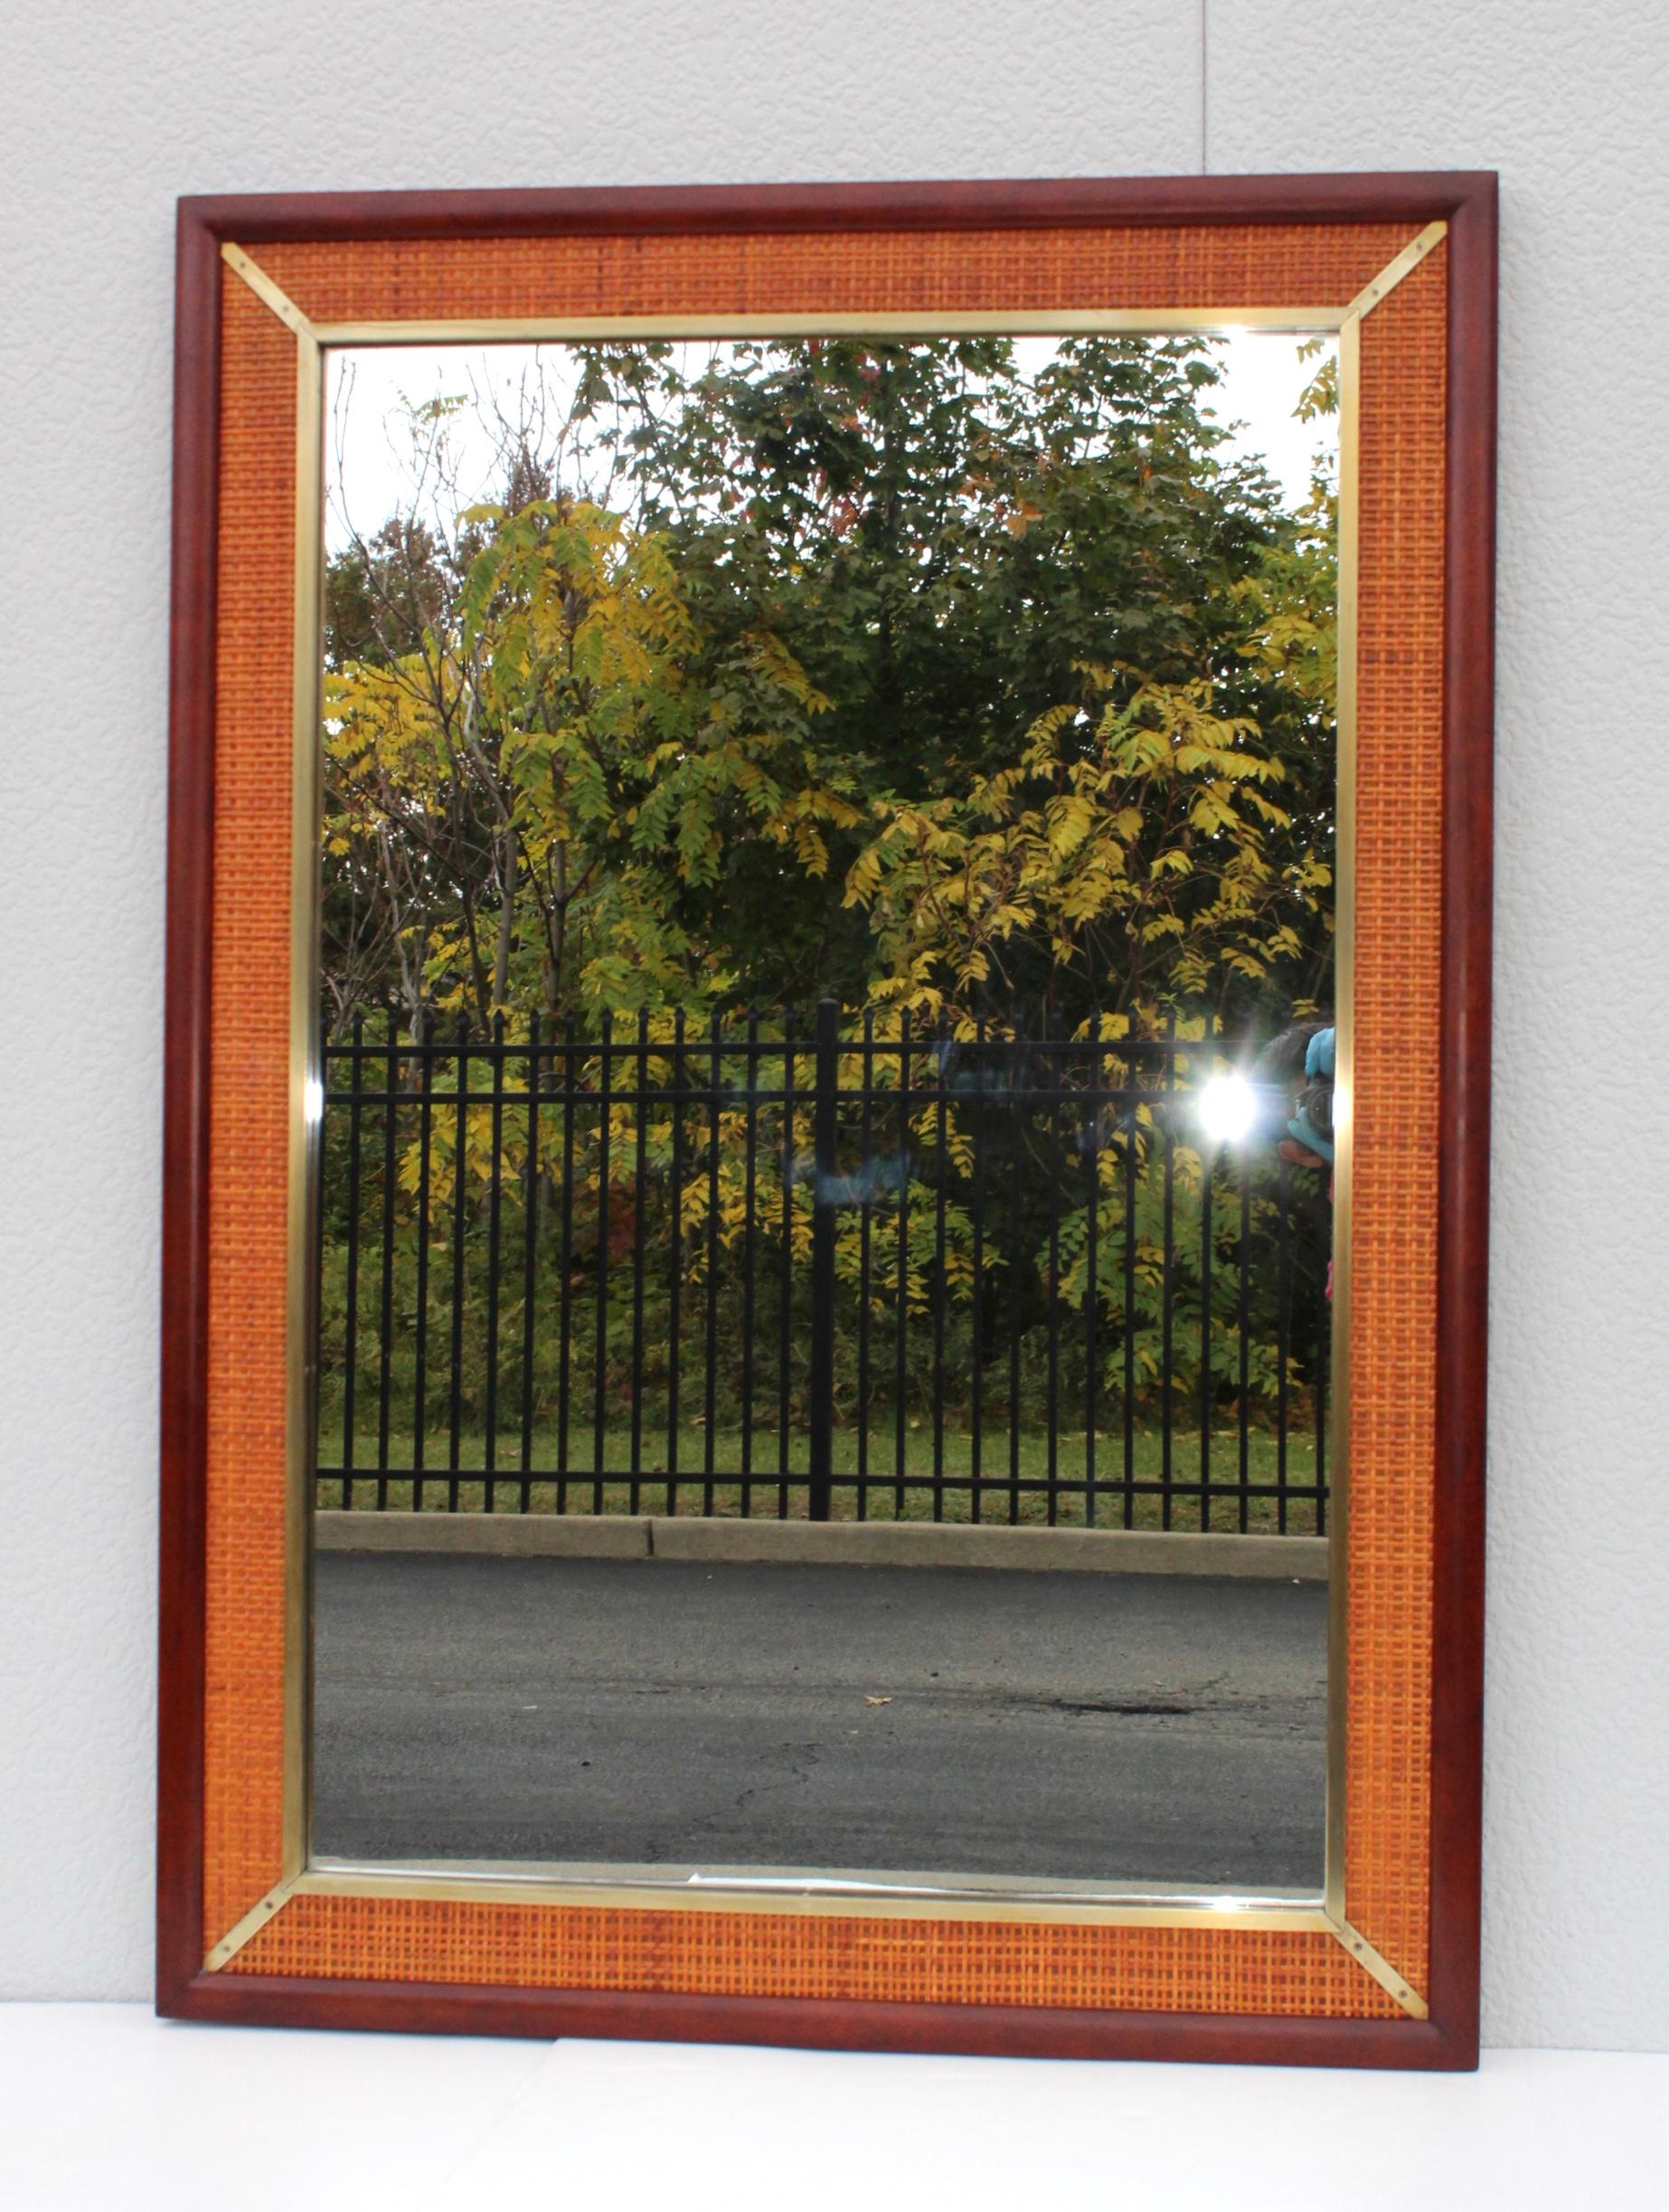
pixel 1317 1068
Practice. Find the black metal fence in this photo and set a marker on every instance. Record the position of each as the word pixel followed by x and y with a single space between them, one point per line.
pixel 855 1271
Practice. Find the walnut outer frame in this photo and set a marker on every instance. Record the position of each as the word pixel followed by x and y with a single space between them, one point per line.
pixel 1466 204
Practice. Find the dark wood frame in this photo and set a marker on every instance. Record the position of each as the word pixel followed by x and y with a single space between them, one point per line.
pixel 1467 200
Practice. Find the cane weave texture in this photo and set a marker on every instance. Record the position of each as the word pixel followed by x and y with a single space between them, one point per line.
pixel 249 1106
pixel 971 271
pixel 771 1954
pixel 1398 987
pixel 1392 1283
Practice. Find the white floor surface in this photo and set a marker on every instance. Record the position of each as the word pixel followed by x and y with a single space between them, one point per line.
pixel 103 2105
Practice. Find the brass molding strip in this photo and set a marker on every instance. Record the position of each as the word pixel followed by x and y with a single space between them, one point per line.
pixel 1392 275
pixel 810 1897
pixel 1348 547
pixel 1381 1970
pixel 252 1922
pixel 267 292
pixel 306 1094
pixel 1017 322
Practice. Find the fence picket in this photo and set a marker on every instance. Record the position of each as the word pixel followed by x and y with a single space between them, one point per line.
pixel 1024 1279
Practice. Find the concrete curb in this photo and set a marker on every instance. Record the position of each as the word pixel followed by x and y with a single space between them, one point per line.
pixel 871 1543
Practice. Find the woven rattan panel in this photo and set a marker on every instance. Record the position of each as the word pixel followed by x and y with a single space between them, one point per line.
pixel 1399 832
pixel 769 1954
pixel 968 270
pixel 249 1096
pixel 1393 1273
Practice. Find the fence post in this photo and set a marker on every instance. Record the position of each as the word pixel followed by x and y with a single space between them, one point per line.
pixel 825 1127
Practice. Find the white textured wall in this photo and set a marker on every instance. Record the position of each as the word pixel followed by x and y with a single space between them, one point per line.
pixel 114 109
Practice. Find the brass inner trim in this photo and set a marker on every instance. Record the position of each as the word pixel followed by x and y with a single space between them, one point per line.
pixel 806 1894
pixel 1020 322
pixel 305 1076
pixel 1401 265
pixel 250 1925
pixel 1381 1970
pixel 267 292
pixel 1344 1048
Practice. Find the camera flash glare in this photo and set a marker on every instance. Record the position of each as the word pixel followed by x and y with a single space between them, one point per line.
pixel 1227 1108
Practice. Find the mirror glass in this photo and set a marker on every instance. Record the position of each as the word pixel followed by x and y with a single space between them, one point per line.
pixel 824 1208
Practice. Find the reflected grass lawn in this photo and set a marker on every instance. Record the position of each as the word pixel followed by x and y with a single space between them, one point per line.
pixel 712 1483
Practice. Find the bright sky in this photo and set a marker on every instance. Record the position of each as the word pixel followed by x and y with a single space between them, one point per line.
pixel 369 471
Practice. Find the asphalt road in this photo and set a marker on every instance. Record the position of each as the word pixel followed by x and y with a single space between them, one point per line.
pixel 939 1721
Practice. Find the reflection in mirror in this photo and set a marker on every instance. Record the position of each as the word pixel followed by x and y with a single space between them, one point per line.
pixel 825 1212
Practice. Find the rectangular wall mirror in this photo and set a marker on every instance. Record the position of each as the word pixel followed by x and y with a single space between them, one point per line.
pixel 828 886
pixel 829 1006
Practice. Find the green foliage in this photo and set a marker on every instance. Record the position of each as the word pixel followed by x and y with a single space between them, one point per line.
pixel 671 750
pixel 555 712
pixel 1143 823
pixel 930 676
